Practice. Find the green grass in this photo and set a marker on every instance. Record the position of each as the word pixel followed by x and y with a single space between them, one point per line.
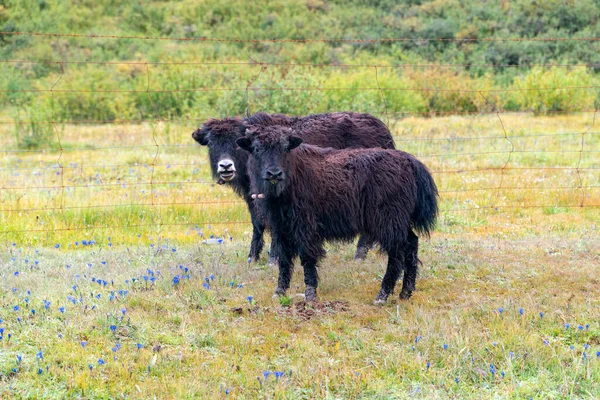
pixel 214 339
pixel 480 259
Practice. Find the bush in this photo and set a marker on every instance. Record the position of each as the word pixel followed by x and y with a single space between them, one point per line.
pixel 397 92
pixel 33 127
pixel 91 93
pixel 556 89
pixel 450 91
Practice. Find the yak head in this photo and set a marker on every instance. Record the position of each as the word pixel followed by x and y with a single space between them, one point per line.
pixel 227 161
pixel 270 147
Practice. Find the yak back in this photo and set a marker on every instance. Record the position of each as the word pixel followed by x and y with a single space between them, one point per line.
pixel 339 130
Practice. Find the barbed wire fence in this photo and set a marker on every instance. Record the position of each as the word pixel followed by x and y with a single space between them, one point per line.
pixel 472 178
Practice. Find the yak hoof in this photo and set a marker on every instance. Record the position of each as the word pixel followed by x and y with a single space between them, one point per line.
pixel 273 261
pixel 361 253
pixel 381 298
pixel 405 294
pixel 310 294
pixel 279 292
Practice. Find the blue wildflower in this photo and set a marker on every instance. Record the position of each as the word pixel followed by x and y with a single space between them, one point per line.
pixel 19 359
pixel 212 277
pixel 40 371
pixel 250 298
pixel 16 308
pixel 572 347
pixel 445 346
pixel 501 310
pixel 175 279
pixel 278 374
pixel 90 366
pixel 266 374
pixel 57 245
pixel 567 326
pixel 492 370
pixel 39 355
pixel 541 315
pixel 113 328
pixel 83 344
pixel 521 311
pixel 32 311
pixel 101 362
pixel 61 309
pixel 16 273
pixel 456 380
pixel 546 342
pixel 139 346
pixel 428 365
pixel 580 327
pixel 502 373
pixel 418 338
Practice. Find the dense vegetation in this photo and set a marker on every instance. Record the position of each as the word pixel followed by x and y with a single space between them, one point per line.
pixel 461 74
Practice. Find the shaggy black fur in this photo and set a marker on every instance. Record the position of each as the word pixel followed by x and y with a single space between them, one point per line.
pixel 336 130
pixel 313 195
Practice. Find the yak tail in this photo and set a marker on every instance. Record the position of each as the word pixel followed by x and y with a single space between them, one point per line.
pixel 426 211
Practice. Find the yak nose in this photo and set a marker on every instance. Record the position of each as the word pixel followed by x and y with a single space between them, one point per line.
pixel 226 164
pixel 273 173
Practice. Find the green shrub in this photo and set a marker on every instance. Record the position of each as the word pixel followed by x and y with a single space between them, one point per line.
pixel 544 90
pixel 33 127
pixel 388 92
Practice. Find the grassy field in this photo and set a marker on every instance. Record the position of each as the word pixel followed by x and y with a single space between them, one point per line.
pixel 507 302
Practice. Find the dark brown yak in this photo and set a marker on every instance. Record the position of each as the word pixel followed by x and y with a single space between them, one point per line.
pixel 337 130
pixel 313 195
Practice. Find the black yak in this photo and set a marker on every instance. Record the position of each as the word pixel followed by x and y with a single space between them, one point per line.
pixel 337 130
pixel 312 195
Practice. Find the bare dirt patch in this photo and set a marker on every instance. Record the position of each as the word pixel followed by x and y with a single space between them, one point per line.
pixel 309 310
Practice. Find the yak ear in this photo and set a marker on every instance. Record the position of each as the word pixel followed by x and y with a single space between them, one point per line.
pixel 293 142
pixel 245 143
pixel 201 136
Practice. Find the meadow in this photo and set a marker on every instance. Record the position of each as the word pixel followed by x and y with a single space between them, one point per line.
pixel 108 290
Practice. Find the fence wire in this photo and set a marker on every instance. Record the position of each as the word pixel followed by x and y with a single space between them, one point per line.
pixel 485 162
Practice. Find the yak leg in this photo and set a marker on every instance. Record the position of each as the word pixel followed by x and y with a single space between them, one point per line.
pixel 362 248
pixel 311 277
pixel 286 252
pixel 258 228
pixel 395 263
pixel 273 259
pixel 411 265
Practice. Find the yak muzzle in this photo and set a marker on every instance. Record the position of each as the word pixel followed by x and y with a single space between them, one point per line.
pixel 273 175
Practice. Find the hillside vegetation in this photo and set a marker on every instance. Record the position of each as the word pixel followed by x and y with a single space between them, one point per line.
pixel 472 70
